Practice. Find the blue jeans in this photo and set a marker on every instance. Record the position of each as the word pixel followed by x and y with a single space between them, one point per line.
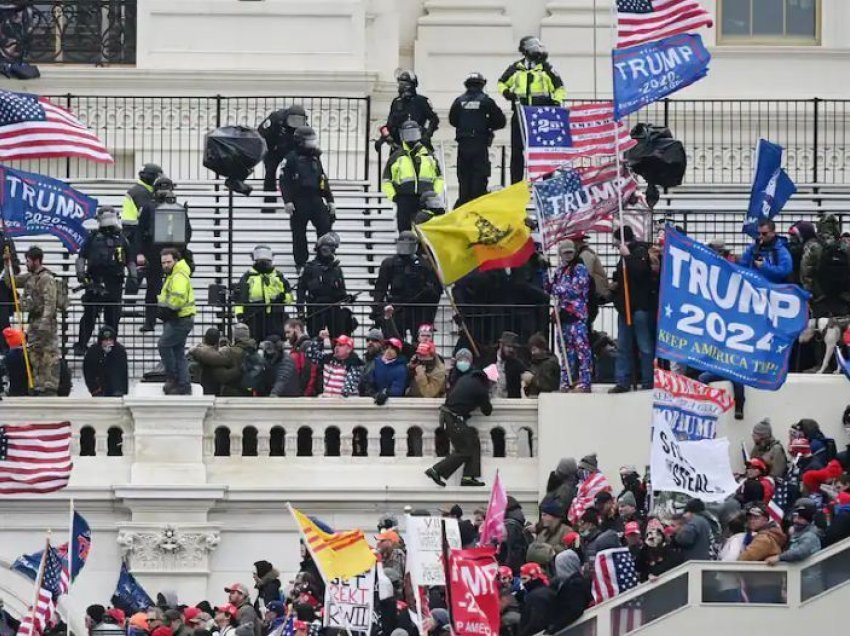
pixel 172 347
pixel 640 331
pixel 737 388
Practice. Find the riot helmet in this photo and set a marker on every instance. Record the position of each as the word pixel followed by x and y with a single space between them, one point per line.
pixel 163 190
pixel 410 133
pixel 406 244
pixel 108 219
pixel 296 116
pixel 263 259
pixel 407 83
pixel 306 138
pixel 532 48
pixel 475 80
pixel 149 173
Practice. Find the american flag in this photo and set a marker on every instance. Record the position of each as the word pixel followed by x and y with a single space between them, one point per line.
pixel 579 200
pixel 54 583
pixel 34 458
pixel 587 491
pixel 32 127
pixel 556 135
pixel 289 625
pixel 614 572
pixel 640 21
pixel 779 502
pixel 626 618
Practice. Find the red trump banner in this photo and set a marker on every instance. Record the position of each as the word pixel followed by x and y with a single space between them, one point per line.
pixel 474 591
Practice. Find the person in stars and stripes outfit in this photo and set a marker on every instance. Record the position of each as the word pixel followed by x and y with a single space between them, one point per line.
pixel 571 287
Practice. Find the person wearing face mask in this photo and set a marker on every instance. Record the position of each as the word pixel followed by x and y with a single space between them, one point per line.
pixel 530 81
pixel 408 106
pixel 803 540
pixel 263 294
pixel 427 372
pixel 571 288
pixel 321 290
pixel 388 377
pixel 463 360
pixel 278 129
pixel 306 192
pixel 410 171
pixel 407 287
pixel 105 366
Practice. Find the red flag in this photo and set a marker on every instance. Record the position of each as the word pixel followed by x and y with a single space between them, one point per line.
pixel 474 592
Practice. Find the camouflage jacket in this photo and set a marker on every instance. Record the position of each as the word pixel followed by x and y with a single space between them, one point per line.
pixel 39 297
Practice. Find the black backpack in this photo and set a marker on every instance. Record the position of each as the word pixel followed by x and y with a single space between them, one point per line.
pixel 833 274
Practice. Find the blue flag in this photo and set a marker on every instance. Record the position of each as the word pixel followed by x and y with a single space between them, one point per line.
pixel 842 362
pixel 28 564
pixel 129 596
pixel 34 204
pixel 772 187
pixel 649 72
pixel 719 317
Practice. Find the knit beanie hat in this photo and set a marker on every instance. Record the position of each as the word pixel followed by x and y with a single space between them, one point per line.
pixel 589 462
pixel 241 331
pixel 553 508
pixel 763 429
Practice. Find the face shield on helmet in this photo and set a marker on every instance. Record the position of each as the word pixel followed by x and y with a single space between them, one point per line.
pixel 107 219
pixel 407 244
pixel 534 50
pixel 407 83
pixel 411 133
pixel 163 189
pixel 296 117
pixel 262 253
pixel 149 173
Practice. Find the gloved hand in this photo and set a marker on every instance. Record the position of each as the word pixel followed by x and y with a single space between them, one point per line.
pixel 381 397
pixel 82 279
pixel 380 141
pixel 332 209
pixel 509 95
pixel 289 208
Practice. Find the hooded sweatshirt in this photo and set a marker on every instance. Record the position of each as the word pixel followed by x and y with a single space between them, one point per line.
pixel 563 483
pixel 572 591
pixel 106 373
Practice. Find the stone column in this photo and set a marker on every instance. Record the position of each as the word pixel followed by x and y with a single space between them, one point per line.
pixel 169 436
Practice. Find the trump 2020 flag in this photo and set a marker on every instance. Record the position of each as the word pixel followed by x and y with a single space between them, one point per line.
pixel 649 72
pixel 772 187
pixel 129 596
pixel 720 317
pixel 555 135
pixel 33 204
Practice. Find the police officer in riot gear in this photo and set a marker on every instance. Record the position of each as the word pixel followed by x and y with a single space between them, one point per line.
pixel 530 81
pixel 410 171
pixel 407 282
pixel 263 294
pixel 100 266
pixel 321 291
pixel 278 129
pixel 408 106
pixel 476 117
pixel 306 192
pixel 137 196
pixel 162 223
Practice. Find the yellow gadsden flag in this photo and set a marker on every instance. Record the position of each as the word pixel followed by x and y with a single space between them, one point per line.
pixel 339 555
pixel 486 233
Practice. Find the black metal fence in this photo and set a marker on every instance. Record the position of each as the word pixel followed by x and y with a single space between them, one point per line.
pixel 71 31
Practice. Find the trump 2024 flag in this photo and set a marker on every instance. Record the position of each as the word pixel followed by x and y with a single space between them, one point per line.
pixel 772 187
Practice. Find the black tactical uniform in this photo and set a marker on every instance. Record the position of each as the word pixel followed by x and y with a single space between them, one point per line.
pixel 321 290
pixel 278 129
pixel 100 267
pixel 410 106
pixel 475 116
pixel 407 279
pixel 137 196
pixel 306 193
pixel 163 193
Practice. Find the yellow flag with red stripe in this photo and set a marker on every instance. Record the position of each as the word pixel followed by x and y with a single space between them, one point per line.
pixel 340 555
pixel 488 232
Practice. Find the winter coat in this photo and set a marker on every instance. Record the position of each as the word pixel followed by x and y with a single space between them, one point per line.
pixel 839 529
pixel 284 377
pixel 202 361
pixel 694 539
pixel 513 549
pixel 562 485
pixel 774 456
pixel 353 366
pixel 553 537
pixel 106 373
pixel 432 384
pixel 230 375
pixel 776 264
pixel 767 542
pixel 16 372
pixel 510 619
pixel 643 285
pixel 801 544
pixel 536 608
pixel 246 614
pixel 390 377
pixel 269 587
pixel 572 592
pixel 596 542
pixel 547 374
pixel 471 391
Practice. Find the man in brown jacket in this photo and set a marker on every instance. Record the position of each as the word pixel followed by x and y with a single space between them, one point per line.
pixel 427 372
pixel 767 540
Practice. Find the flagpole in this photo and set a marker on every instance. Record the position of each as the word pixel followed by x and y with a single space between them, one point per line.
pixel 72 548
pixel 559 337
pixel 444 546
pixel 448 291
pixel 627 299
pixel 39 579
pixel 14 286
pixel 595 67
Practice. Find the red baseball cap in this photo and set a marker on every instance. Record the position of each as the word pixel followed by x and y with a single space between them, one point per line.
pixel 345 341
pixel 191 613
pixel 395 343
pixel 117 615
pixel 757 463
pixel 632 527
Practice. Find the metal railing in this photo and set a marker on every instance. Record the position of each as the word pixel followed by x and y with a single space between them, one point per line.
pixel 74 31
